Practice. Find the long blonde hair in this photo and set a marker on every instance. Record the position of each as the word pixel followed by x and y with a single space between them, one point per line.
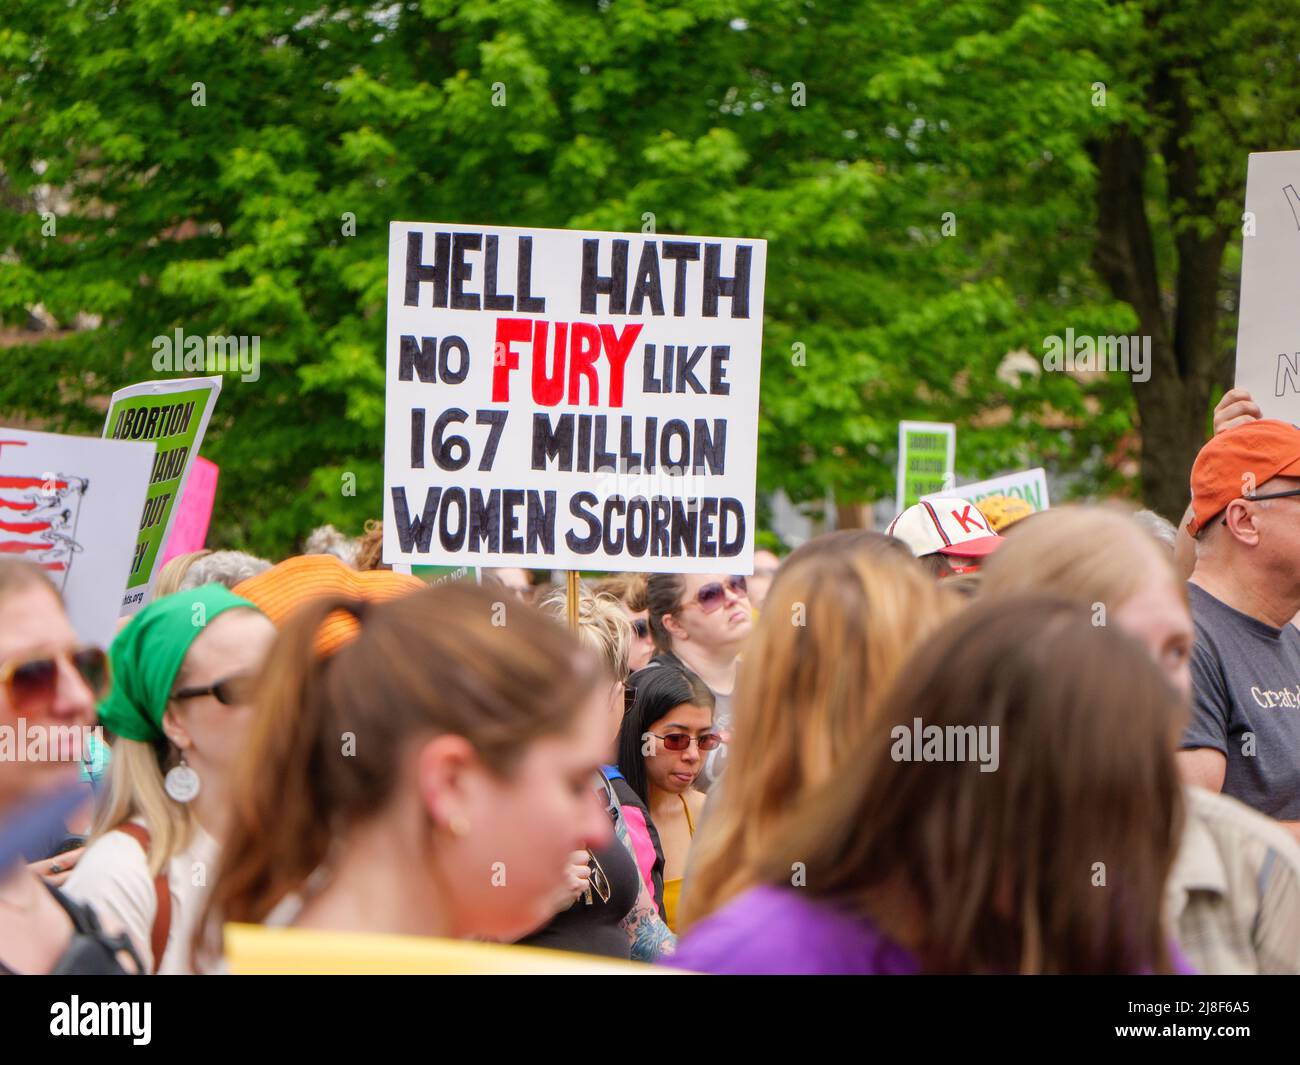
pixel 135 789
pixel 835 628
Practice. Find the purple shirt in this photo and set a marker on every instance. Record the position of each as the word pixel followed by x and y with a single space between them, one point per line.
pixel 772 930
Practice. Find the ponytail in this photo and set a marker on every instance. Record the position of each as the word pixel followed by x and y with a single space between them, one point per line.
pixel 279 830
pixel 451 659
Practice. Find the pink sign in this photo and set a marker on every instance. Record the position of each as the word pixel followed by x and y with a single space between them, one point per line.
pixel 190 527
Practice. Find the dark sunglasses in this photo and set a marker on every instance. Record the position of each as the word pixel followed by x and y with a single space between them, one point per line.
pixel 641 627
pixel 230 691
pixel 599 882
pixel 712 595
pixel 679 741
pixel 31 683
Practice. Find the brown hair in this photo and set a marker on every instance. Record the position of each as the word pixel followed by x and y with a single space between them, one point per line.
pixel 865 542
pixel 834 630
pixel 1055 862
pixel 663 595
pixel 370 547
pixel 627 588
pixel 435 661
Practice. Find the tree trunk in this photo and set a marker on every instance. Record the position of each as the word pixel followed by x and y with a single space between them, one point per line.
pixel 1174 402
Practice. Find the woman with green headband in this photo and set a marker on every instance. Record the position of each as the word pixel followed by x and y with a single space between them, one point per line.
pixel 180 706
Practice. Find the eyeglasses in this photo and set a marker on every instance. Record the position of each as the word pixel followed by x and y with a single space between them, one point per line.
pixel 712 595
pixel 1275 495
pixel 31 683
pixel 230 691
pixel 641 627
pixel 1271 495
pixel 679 741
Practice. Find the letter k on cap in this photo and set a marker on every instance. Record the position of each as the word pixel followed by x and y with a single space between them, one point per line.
pixel 946 526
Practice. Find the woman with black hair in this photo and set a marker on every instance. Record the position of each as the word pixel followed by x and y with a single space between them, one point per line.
pixel 662 745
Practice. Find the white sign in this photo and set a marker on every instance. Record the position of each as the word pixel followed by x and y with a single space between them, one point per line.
pixel 571 400
pixel 1268 321
pixel 72 505
pixel 1029 485
pixel 174 415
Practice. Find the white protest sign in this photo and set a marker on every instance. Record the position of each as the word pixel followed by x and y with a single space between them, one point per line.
pixel 72 504
pixel 1029 485
pixel 1268 320
pixel 571 400
pixel 174 415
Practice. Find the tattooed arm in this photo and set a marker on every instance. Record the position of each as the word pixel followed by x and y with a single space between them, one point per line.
pixel 650 937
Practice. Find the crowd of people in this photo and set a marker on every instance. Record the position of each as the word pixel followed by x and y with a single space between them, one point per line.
pixel 986 740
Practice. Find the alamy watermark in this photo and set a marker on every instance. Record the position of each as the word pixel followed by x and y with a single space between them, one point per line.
pixel 211 354
pixel 50 743
pixel 1130 355
pixel 946 743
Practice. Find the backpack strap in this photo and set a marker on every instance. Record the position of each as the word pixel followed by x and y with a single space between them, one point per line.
pixel 162 918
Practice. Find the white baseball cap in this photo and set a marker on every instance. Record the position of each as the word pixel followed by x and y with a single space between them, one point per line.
pixel 945 526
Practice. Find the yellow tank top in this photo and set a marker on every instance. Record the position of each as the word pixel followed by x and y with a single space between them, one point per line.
pixel 673 888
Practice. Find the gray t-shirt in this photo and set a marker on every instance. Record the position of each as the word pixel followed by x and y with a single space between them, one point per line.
pixel 1246 703
pixel 716 760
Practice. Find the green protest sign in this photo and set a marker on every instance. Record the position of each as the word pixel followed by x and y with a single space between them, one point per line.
pixel 439 574
pixel 927 452
pixel 174 416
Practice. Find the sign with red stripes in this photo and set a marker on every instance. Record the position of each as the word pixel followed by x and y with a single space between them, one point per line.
pixel 71 505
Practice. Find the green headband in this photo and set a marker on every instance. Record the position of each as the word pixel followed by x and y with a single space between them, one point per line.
pixel 146 656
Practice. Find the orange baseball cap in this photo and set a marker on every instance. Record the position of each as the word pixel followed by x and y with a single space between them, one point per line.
pixel 296 581
pixel 1235 463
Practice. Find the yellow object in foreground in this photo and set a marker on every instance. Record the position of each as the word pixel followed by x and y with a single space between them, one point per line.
pixel 252 950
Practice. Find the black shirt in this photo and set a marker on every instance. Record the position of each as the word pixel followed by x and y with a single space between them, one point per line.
pixel 596 927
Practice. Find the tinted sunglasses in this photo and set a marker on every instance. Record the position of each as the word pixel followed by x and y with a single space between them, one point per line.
pixel 31 683
pixel 711 596
pixel 230 691
pixel 679 741
pixel 641 627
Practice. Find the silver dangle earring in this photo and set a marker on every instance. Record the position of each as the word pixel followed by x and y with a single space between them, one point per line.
pixel 181 782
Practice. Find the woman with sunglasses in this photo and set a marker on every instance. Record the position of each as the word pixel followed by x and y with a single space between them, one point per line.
pixel 180 707
pixel 46 679
pixel 665 738
pixel 701 621
pixel 52 684
pixel 630 591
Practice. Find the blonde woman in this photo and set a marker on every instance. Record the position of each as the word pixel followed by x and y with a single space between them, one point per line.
pixel 608 908
pixel 841 616
pixel 180 707
pixel 1233 899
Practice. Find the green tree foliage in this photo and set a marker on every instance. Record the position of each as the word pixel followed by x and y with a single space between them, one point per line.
pixel 928 175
